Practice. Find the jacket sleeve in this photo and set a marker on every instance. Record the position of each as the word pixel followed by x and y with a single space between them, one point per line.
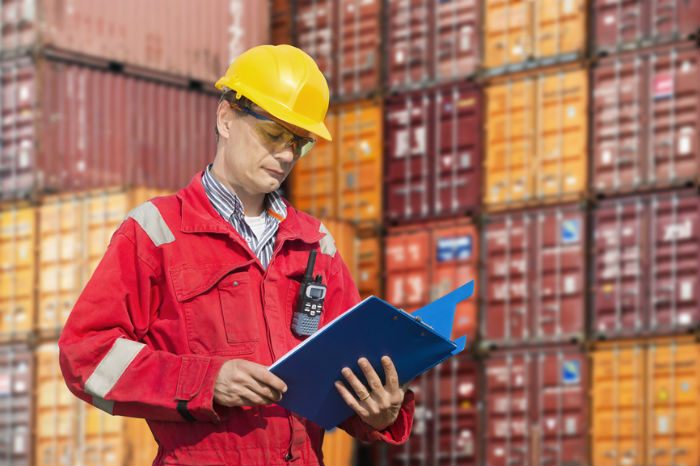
pixel 103 356
pixel 346 296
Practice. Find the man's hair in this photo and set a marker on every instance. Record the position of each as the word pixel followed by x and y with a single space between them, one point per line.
pixel 230 96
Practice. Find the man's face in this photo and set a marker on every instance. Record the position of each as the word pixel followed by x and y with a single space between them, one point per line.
pixel 256 158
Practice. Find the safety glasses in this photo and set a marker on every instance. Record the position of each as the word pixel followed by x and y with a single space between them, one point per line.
pixel 278 137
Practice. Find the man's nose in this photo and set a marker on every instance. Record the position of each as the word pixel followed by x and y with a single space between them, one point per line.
pixel 285 155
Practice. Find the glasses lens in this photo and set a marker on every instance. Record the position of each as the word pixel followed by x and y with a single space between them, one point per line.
pixel 305 145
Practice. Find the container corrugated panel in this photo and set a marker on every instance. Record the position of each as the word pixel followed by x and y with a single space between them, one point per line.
pixel 433 148
pixel 70 431
pixel 315 28
pixel 313 183
pixel 195 40
pixel 521 34
pixel 534 279
pixel 445 427
pixel 18 227
pixel 358 56
pixel 432 41
pixel 646 265
pixel 625 24
pixel 359 144
pixel 74 231
pixel 16 381
pixel 425 262
pixel 338 448
pixel 645 400
pixel 96 128
pixel 536 407
pixel 281 22
pixel 645 119
pixel 537 131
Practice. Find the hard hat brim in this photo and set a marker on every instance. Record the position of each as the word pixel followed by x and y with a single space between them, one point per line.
pixel 278 110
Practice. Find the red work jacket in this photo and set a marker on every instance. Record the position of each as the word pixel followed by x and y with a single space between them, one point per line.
pixel 177 294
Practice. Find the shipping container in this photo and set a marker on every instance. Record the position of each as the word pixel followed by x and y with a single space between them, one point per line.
pixel 646 265
pixel 536 138
pixel 445 426
pixel 74 231
pixel 645 403
pixel 433 154
pixel 626 24
pixel 281 24
pixel 424 262
pixel 71 127
pixel 646 108
pixel 520 34
pixel 16 382
pixel 315 26
pixel 342 180
pixel 431 42
pixel 358 56
pixel 191 39
pixel 360 251
pixel 18 269
pixel 338 448
pixel 535 403
pixel 533 276
pixel 70 431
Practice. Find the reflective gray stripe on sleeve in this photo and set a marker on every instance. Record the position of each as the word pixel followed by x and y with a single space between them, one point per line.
pixel 148 216
pixel 112 366
pixel 327 243
pixel 105 405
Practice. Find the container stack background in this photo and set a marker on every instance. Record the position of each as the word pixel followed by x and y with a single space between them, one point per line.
pixel 547 149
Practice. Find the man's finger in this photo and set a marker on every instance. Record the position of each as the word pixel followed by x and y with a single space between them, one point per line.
pixel 349 399
pixel 265 377
pixel 373 379
pixel 392 377
pixel 361 391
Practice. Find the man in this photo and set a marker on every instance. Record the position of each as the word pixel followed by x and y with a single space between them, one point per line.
pixel 196 293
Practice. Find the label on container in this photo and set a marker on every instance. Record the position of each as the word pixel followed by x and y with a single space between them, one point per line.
pixel 570 284
pixel 465 38
pixel 686 291
pixel 455 248
pixel 606 157
pixel 684 318
pixel 678 231
pixel 465 442
pixel 609 19
pixel 571 372
pixel 568 6
pixel 685 140
pixel 662 424
pixel 663 86
pixel 570 231
pixel 399 56
pixel 517 50
pixel 19 446
pixel 4 384
pixel 465 160
pixel 571 426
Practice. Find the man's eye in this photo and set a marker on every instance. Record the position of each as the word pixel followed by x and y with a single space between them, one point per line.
pixel 273 136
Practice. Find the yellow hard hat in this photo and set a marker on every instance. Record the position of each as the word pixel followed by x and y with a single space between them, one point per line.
pixel 284 81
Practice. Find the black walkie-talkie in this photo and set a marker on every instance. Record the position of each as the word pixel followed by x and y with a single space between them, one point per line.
pixel 311 295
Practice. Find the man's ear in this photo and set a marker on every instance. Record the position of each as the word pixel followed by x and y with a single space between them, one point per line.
pixel 224 118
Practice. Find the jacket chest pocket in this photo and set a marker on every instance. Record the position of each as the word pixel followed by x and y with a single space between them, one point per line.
pixel 221 309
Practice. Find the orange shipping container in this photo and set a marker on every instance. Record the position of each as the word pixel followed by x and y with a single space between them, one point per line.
pixel 425 262
pixel 70 431
pixel 646 400
pixel 536 144
pixel 343 180
pixel 17 270
pixel 338 448
pixel 74 231
pixel 520 34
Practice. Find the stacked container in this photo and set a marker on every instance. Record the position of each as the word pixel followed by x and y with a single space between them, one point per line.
pixel 104 105
pixel 645 245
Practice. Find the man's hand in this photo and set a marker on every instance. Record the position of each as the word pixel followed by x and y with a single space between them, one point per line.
pixel 245 383
pixel 379 405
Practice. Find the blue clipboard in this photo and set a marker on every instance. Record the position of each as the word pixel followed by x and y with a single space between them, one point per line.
pixel 373 328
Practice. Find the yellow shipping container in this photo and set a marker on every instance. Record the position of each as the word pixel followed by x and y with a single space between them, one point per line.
pixel 646 400
pixel 17 270
pixel 523 33
pixel 74 231
pixel 343 180
pixel 536 141
pixel 69 431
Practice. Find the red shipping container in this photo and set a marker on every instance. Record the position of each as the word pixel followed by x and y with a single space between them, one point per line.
pixel 645 119
pixel 625 24
pixel 358 48
pixel 445 426
pixel 16 384
pixel 425 262
pixel 433 154
pixel 315 23
pixel 72 127
pixel 646 265
pixel 534 278
pixel 197 40
pixel 536 407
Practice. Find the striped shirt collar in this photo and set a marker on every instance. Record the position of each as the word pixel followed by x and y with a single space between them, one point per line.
pixel 229 206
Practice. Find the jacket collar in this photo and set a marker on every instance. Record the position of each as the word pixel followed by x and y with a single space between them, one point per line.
pixel 199 216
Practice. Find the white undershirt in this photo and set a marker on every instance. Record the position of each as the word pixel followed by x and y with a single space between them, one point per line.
pixel 257 224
